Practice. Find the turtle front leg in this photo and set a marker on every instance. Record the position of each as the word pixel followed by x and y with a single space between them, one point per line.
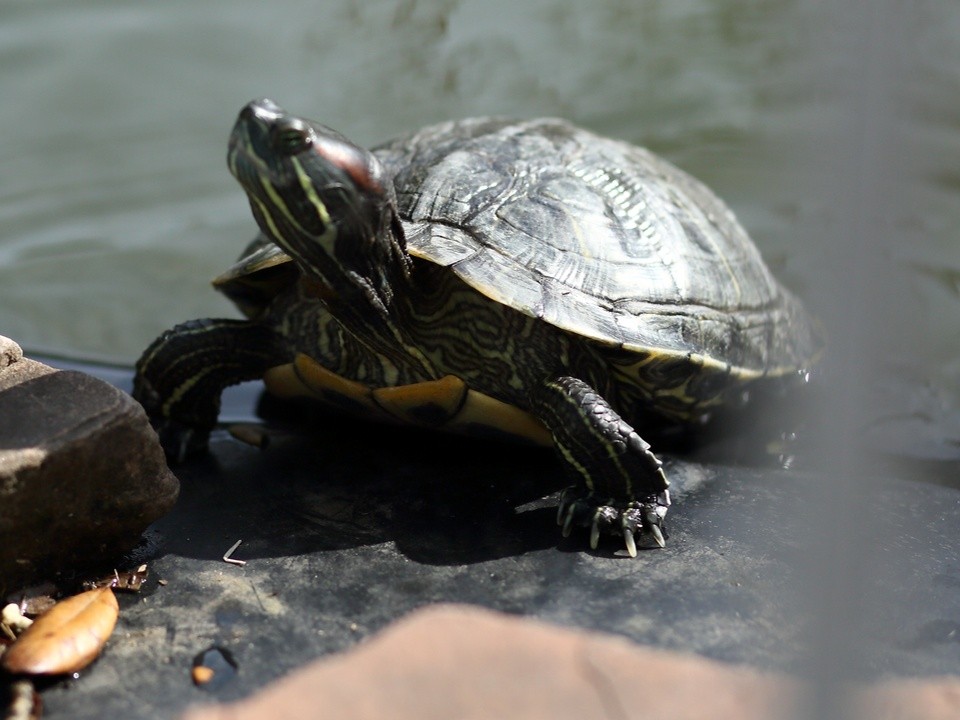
pixel 181 375
pixel 620 485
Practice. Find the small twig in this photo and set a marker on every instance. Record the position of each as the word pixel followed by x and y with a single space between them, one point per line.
pixel 228 559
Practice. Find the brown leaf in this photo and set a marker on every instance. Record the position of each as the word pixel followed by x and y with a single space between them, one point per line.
pixel 67 637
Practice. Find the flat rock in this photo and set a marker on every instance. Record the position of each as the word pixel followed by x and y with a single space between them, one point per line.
pixel 81 472
pixel 457 661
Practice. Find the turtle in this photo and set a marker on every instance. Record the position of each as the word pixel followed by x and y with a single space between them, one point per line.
pixel 520 278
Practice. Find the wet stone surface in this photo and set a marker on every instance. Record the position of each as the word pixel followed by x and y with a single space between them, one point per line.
pixel 459 661
pixel 81 472
pixel 348 527
pixel 509 667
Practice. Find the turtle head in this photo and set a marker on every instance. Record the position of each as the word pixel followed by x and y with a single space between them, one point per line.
pixel 323 199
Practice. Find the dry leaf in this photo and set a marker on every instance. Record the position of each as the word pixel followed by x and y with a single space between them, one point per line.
pixel 128 580
pixel 251 434
pixel 37 605
pixel 67 637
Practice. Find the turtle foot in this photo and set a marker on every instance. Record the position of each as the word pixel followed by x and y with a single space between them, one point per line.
pixel 180 441
pixel 606 516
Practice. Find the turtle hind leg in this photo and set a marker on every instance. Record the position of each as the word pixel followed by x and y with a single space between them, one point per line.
pixel 620 485
pixel 181 375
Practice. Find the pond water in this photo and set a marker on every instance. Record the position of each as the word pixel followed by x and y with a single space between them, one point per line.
pixel 116 207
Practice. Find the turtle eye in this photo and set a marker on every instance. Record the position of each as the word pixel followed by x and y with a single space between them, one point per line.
pixel 292 137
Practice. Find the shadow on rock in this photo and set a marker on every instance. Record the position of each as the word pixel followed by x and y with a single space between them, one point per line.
pixel 339 483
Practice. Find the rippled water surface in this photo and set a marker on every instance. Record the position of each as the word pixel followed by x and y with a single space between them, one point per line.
pixel 116 207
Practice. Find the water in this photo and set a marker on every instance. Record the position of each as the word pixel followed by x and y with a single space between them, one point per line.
pixel 116 207
pixel 833 130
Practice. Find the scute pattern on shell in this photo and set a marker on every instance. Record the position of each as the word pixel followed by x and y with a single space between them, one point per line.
pixel 598 237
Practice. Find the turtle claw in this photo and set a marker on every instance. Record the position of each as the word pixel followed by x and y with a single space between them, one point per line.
pixel 563 509
pixel 180 441
pixel 595 532
pixel 658 538
pixel 604 516
pixel 568 520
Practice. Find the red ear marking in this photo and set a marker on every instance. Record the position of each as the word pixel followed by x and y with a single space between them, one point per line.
pixel 353 162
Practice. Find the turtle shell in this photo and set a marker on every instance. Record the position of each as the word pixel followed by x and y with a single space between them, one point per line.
pixel 261 271
pixel 599 237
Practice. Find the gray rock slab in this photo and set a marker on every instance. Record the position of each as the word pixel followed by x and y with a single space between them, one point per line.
pixel 81 472
pixel 457 661
pixel 347 527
